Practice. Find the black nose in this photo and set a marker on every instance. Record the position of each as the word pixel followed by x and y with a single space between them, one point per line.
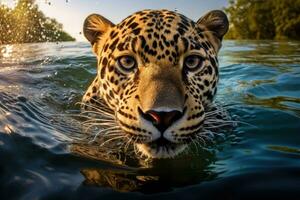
pixel 162 120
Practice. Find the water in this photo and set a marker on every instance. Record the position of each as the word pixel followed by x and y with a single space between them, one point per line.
pixel 39 160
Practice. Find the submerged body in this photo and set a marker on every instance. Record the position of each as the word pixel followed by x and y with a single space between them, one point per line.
pixel 157 76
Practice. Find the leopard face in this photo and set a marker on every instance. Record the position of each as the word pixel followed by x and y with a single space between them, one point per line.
pixel 157 71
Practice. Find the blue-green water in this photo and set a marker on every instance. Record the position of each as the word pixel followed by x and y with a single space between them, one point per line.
pixel 260 81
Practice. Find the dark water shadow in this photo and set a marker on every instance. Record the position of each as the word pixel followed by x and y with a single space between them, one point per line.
pixel 156 176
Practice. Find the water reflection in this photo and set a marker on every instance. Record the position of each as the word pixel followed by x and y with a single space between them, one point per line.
pixel 278 102
pixel 284 149
pixel 268 53
pixel 154 177
pixel 6 51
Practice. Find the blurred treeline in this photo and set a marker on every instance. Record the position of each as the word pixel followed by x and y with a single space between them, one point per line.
pixel 264 19
pixel 26 23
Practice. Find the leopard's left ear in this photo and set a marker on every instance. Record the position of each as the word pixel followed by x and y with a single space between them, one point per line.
pixel 96 26
pixel 215 21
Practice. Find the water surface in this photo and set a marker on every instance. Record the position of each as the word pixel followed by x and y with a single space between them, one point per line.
pixel 260 81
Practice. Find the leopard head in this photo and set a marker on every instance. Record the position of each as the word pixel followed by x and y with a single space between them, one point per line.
pixel 157 71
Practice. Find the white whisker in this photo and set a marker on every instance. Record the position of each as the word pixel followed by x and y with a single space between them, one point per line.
pixel 127 144
pixel 104 107
pixel 102 114
pixel 101 131
pixel 114 138
pixel 98 120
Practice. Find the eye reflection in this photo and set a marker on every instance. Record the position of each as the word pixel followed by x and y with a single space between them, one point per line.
pixel 193 62
pixel 126 63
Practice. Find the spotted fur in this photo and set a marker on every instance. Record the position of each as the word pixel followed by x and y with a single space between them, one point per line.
pixel 159 41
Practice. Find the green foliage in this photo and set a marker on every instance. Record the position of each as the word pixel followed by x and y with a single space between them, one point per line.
pixel 264 19
pixel 26 23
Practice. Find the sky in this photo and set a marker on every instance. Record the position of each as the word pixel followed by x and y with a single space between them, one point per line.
pixel 72 13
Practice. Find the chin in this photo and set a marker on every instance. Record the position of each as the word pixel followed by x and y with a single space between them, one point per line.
pixel 158 151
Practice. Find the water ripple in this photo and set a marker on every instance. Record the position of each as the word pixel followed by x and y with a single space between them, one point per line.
pixel 40 84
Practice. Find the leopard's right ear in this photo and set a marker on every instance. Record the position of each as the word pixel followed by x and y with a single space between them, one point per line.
pixel 95 26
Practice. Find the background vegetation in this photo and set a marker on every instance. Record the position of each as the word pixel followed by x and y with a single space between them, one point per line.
pixel 26 23
pixel 264 19
pixel 249 19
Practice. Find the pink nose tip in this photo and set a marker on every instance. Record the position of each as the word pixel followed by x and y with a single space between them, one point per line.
pixel 156 117
pixel 163 120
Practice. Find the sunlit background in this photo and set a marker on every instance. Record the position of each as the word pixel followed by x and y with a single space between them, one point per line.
pixel 71 13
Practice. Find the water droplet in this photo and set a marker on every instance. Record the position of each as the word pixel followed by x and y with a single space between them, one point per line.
pixel 8 129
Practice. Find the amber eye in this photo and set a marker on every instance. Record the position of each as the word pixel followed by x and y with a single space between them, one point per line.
pixel 126 63
pixel 193 62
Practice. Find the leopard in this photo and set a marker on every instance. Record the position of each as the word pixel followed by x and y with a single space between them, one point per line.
pixel 157 74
